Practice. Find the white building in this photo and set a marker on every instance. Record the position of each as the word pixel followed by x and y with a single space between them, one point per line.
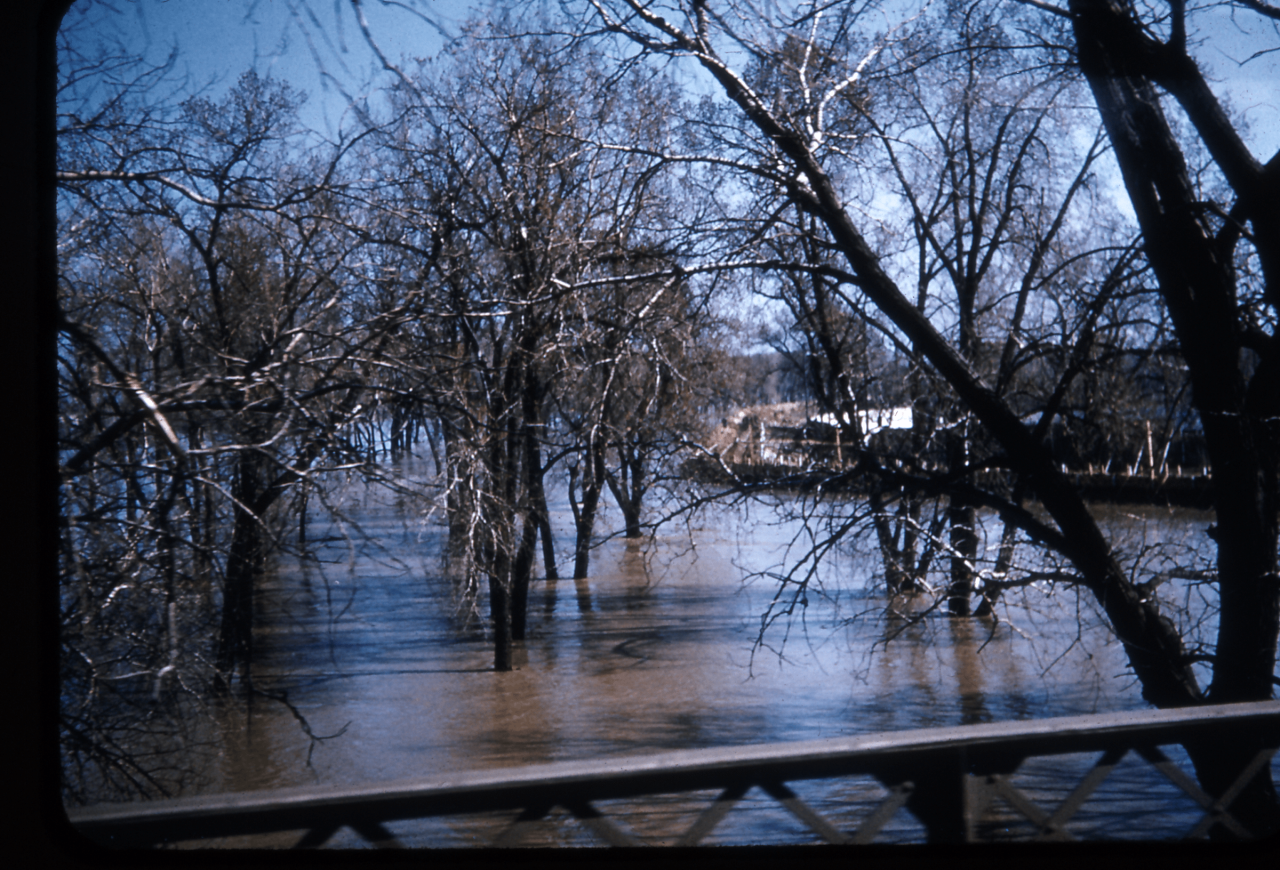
pixel 873 420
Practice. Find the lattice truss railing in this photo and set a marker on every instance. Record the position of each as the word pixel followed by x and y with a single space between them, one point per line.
pixel 981 791
pixel 608 831
pixel 958 783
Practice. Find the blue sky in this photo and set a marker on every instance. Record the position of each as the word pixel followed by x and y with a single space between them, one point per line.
pixel 217 40
pixel 1253 86
pixel 294 40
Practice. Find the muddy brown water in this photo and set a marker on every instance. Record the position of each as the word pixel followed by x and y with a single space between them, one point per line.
pixel 659 649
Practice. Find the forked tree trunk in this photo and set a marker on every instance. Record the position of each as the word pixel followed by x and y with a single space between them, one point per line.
pixel 1197 280
pixel 897 576
pixel 628 487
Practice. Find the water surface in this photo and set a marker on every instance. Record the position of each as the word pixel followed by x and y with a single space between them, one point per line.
pixel 659 649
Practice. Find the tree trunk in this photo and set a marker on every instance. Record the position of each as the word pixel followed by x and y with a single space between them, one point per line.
pixel 504 484
pixel 245 561
pixel 896 576
pixel 534 478
pixel 1197 281
pixel 592 483
pixel 628 487
pixel 521 574
pixel 458 498
pixel 500 613
pixel 962 518
pixel 302 512
pixel 1004 561
pixel 964 549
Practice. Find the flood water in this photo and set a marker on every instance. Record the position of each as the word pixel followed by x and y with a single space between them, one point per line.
pixel 657 650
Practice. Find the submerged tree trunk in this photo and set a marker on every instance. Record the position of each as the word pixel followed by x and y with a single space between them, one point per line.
pixel 1004 561
pixel 245 561
pixel 897 575
pixel 521 575
pixel 585 511
pixel 500 612
pixel 1195 270
pixel 964 552
pixel 535 486
pixel 628 486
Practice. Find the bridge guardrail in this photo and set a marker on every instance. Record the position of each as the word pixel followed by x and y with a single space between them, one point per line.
pixel 948 778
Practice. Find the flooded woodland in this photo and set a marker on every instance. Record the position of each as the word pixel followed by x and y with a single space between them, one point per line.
pixel 817 349
pixel 660 648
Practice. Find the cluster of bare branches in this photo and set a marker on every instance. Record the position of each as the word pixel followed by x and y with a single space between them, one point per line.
pixel 554 327
pixel 210 364
pixel 1021 295
pixel 248 315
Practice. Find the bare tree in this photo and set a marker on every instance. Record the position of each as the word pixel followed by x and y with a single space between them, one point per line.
pixel 208 366
pixel 633 390
pixel 800 158
pixel 509 214
pixel 1218 268
pixel 978 147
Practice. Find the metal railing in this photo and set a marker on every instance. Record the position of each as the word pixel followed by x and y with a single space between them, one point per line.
pixel 950 779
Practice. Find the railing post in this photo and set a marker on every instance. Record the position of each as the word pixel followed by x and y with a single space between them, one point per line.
pixel 940 796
